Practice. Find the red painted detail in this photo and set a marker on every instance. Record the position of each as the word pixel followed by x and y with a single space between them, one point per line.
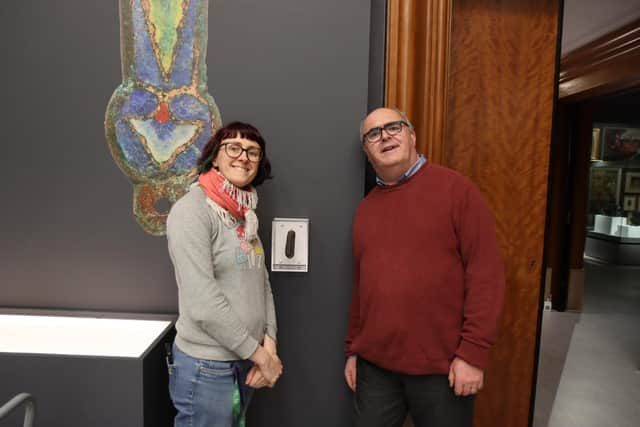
pixel 163 114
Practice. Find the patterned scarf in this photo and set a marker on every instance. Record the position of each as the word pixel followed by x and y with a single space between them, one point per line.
pixel 231 203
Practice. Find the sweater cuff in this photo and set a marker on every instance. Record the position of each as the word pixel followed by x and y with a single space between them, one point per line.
pixel 246 348
pixel 347 350
pixel 473 354
pixel 272 332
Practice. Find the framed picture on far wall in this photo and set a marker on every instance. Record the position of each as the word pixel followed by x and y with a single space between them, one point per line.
pixel 629 203
pixel 632 182
pixel 604 190
pixel 620 143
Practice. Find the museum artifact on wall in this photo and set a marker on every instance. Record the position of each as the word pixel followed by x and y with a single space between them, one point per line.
pixel 161 116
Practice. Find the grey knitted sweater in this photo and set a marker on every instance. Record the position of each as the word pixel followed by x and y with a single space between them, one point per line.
pixel 225 300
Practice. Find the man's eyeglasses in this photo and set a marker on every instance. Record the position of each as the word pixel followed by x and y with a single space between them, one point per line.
pixel 235 150
pixel 392 128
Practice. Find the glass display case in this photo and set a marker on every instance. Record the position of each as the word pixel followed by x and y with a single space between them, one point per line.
pixel 613 205
pixel 614 179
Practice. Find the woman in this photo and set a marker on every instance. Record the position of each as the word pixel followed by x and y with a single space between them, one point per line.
pixel 225 345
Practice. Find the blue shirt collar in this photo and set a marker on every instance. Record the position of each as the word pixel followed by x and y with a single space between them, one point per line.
pixel 408 174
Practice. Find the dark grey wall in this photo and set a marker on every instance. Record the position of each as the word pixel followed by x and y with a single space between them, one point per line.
pixel 296 69
pixel 377 53
pixel 69 239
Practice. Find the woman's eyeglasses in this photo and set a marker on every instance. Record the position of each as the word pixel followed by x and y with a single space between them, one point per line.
pixel 235 150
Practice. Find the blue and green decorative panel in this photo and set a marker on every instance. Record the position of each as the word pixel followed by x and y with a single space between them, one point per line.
pixel 161 116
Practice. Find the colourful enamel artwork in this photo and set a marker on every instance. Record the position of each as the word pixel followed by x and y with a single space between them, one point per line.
pixel 161 116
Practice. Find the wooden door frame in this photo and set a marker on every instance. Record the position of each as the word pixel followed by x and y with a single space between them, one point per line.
pixel 417 49
pixel 604 66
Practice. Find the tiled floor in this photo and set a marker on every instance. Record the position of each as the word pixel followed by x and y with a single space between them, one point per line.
pixel 589 365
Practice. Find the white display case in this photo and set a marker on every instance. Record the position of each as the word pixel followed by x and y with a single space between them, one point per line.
pixel 609 225
pixel 87 369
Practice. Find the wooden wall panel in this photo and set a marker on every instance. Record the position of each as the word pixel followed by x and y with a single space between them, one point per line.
pixel 498 130
pixel 416 68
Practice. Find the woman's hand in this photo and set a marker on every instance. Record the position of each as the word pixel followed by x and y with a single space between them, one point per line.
pixel 269 366
pixel 255 378
pixel 269 344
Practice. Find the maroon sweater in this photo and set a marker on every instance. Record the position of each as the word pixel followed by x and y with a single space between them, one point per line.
pixel 428 276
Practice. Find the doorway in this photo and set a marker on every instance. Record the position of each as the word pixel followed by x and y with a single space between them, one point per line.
pixel 589 355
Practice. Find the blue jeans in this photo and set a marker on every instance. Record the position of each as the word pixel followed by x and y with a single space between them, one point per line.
pixel 202 390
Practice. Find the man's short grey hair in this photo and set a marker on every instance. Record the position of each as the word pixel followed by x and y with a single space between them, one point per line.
pixel 403 117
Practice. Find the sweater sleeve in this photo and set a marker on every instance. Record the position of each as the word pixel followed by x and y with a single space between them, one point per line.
pixel 189 234
pixel 483 277
pixel 271 327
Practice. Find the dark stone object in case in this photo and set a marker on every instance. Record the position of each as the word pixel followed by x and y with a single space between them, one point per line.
pixel 290 247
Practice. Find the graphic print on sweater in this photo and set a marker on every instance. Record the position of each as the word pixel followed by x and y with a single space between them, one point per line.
pixel 249 254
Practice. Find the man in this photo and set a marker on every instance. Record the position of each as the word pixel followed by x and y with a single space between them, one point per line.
pixel 428 286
